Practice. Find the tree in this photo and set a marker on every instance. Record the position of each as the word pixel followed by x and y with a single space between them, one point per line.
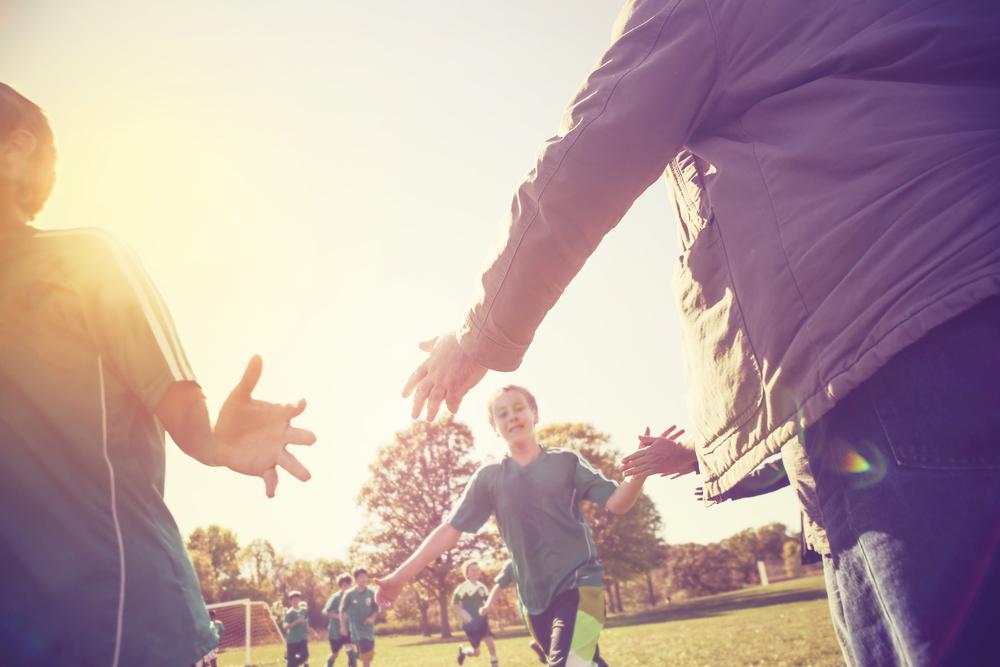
pixel 628 545
pixel 748 546
pixel 415 480
pixel 258 561
pixel 217 550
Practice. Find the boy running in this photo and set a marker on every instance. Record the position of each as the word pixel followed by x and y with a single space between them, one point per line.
pixel 359 610
pixel 504 580
pixel 535 494
pixel 468 600
pixel 296 631
pixel 332 611
pixel 91 374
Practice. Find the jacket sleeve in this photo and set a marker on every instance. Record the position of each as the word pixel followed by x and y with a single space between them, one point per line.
pixel 630 118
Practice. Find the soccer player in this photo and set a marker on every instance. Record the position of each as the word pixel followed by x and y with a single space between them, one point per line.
pixel 91 374
pixel 218 627
pixel 468 600
pixel 358 612
pixel 504 580
pixel 535 494
pixel 297 630
pixel 332 611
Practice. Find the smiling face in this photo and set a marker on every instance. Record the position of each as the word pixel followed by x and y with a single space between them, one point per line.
pixel 514 418
pixel 472 573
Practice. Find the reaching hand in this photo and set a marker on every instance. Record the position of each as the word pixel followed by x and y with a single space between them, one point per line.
pixel 388 589
pixel 663 455
pixel 485 609
pixel 251 435
pixel 446 375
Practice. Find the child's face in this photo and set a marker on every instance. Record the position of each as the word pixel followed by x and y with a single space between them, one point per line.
pixel 361 580
pixel 473 573
pixel 344 585
pixel 513 418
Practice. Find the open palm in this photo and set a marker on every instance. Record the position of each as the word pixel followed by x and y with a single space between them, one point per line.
pixel 252 435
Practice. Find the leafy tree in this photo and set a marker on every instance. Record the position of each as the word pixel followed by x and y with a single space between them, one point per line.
pixel 415 480
pixel 628 545
pixel 220 570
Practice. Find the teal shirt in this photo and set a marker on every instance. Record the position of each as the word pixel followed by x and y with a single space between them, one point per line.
pixel 470 597
pixel 88 350
pixel 218 627
pixel 358 606
pixel 507 575
pixel 537 508
pixel 300 632
pixel 333 605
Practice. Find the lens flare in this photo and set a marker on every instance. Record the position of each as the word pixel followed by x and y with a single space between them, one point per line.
pixel 852 461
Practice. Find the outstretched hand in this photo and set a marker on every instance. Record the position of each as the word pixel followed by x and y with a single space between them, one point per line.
pixel 446 376
pixel 662 455
pixel 387 590
pixel 251 435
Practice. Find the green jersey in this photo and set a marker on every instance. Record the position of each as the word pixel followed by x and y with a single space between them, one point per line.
pixel 359 606
pixel 299 633
pixel 88 350
pixel 218 627
pixel 470 597
pixel 333 605
pixel 537 507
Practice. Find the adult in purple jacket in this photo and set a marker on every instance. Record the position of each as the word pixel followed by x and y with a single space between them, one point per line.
pixel 835 171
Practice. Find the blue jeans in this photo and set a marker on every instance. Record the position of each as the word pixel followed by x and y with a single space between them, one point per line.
pixel 907 473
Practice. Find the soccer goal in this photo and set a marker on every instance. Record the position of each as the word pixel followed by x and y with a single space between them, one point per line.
pixel 250 636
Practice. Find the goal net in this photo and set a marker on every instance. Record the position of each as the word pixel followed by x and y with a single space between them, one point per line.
pixel 250 635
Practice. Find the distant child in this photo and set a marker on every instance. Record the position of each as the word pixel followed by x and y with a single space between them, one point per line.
pixel 468 600
pixel 358 612
pixel 297 630
pixel 504 580
pixel 332 611
pixel 535 493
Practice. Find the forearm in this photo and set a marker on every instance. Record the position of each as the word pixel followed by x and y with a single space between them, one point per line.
pixel 625 495
pixel 184 415
pixel 491 598
pixel 442 538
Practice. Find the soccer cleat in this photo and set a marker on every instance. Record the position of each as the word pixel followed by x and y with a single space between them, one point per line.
pixel 461 656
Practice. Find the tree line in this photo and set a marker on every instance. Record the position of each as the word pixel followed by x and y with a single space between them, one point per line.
pixel 413 483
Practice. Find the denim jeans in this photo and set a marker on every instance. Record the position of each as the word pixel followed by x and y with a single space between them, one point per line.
pixel 907 473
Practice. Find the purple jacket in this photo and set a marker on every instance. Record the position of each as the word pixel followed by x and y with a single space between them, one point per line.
pixel 836 170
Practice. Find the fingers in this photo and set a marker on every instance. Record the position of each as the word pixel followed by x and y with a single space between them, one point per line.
pixel 428 345
pixel 647 431
pixel 415 379
pixel 669 434
pixel 296 410
pixel 293 466
pixel 420 397
pixel 434 400
pixel 270 477
pixel 453 401
pixel 299 436
pixel 250 378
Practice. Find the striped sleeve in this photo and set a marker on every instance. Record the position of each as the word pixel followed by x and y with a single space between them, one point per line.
pixel 129 320
pixel 590 483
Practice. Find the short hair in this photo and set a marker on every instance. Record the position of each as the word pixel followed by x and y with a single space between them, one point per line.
pixel 358 572
pixel 211 613
pixel 344 579
pixel 468 565
pixel 17 112
pixel 528 396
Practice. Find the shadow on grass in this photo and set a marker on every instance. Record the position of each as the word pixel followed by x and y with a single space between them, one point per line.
pixel 801 590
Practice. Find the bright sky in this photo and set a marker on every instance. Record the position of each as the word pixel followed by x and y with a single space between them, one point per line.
pixel 323 183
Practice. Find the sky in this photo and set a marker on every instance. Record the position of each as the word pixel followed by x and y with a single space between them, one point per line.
pixel 323 183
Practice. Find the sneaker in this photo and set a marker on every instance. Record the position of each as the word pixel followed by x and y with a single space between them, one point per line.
pixel 539 652
pixel 461 656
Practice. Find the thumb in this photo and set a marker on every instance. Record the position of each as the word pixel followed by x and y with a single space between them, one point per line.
pixel 250 378
pixel 427 345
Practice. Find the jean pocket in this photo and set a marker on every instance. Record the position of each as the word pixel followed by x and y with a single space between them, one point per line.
pixel 722 372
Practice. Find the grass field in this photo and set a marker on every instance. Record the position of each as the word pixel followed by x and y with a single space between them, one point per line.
pixel 779 625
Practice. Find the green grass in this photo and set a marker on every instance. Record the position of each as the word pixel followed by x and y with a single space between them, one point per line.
pixel 782 624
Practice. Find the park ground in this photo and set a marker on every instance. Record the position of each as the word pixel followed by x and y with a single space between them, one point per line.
pixel 779 625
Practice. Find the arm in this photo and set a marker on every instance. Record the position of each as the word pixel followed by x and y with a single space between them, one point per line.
pixel 635 111
pixel 443 537
pixel 461 613
pixel 490 599
pixel 249 435
pixel 625 495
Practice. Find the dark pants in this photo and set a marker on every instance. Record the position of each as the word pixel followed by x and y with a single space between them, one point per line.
pixel 907 472
pixel 554 628
pixel 298 653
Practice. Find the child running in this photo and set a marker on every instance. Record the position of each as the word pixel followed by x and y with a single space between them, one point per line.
pixel 358 612
pixel 535 494
pixel 504 580
pixel 332 611
pixel 468 600
pixel 297 631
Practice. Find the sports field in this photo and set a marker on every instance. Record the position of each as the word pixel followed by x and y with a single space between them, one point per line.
pixel 781 624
